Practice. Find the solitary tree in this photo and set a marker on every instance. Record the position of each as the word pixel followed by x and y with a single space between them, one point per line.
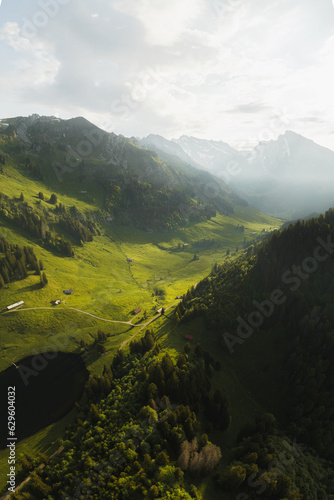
pixel 53 199
pixel 101 337
pixel 187 348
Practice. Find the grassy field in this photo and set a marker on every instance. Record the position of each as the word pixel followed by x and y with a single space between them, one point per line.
pixel 108 286
pixel 105 284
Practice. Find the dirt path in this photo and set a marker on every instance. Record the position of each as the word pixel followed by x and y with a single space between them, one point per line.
pixel 140 326
pixel 123 344
pixel 54 308
pixel 101 319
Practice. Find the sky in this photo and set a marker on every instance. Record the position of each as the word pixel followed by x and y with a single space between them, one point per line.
pixel 240 71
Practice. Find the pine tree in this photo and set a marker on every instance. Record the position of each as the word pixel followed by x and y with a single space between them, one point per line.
pixel 5 274
pixel 101 337
pixel 43 279
pixel 53 199
pixel 37 268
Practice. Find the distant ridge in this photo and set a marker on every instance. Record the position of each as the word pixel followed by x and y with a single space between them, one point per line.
pixel 288 177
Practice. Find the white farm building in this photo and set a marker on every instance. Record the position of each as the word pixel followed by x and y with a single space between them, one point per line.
pixel 17 304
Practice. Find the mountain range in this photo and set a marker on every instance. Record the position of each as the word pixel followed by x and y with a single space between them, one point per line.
pixel 139 186
pixel 194 337
pixel 290 177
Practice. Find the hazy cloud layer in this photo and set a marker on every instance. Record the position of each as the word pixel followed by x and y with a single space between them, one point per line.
pixel 222 69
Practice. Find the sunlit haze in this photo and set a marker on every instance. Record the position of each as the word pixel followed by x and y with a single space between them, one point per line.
pixel 231 70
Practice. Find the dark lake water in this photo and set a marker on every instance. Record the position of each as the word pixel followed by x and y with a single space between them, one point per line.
pixel 46 387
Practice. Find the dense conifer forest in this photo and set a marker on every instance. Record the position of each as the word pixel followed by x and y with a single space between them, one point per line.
pixel 15 262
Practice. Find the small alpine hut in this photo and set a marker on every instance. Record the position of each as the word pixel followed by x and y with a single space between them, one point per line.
pixel 136 311
pixel 188 337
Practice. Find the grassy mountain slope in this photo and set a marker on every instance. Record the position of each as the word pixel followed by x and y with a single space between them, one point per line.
pixel 269 319
pixel 105 284
pixel 130 184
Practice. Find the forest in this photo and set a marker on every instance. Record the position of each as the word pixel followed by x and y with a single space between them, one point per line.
pixel 16 261
pixel 297 266
pixel 143 431
pixel 138 432
pixel 133 202
pixel 43 227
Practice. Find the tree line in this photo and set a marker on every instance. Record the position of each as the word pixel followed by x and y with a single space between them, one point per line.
pixel 285 261
pixel 152 206
pixel 17 261
pixel 25 217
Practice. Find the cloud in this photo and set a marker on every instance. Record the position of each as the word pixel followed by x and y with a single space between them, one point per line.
pixel 252 107
pixel 10 34
pixel 30 63
pixel 164 22
pixel 173 68
pixel 311 119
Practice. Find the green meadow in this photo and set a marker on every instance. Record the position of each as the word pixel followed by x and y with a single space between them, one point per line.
pixel 107 286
